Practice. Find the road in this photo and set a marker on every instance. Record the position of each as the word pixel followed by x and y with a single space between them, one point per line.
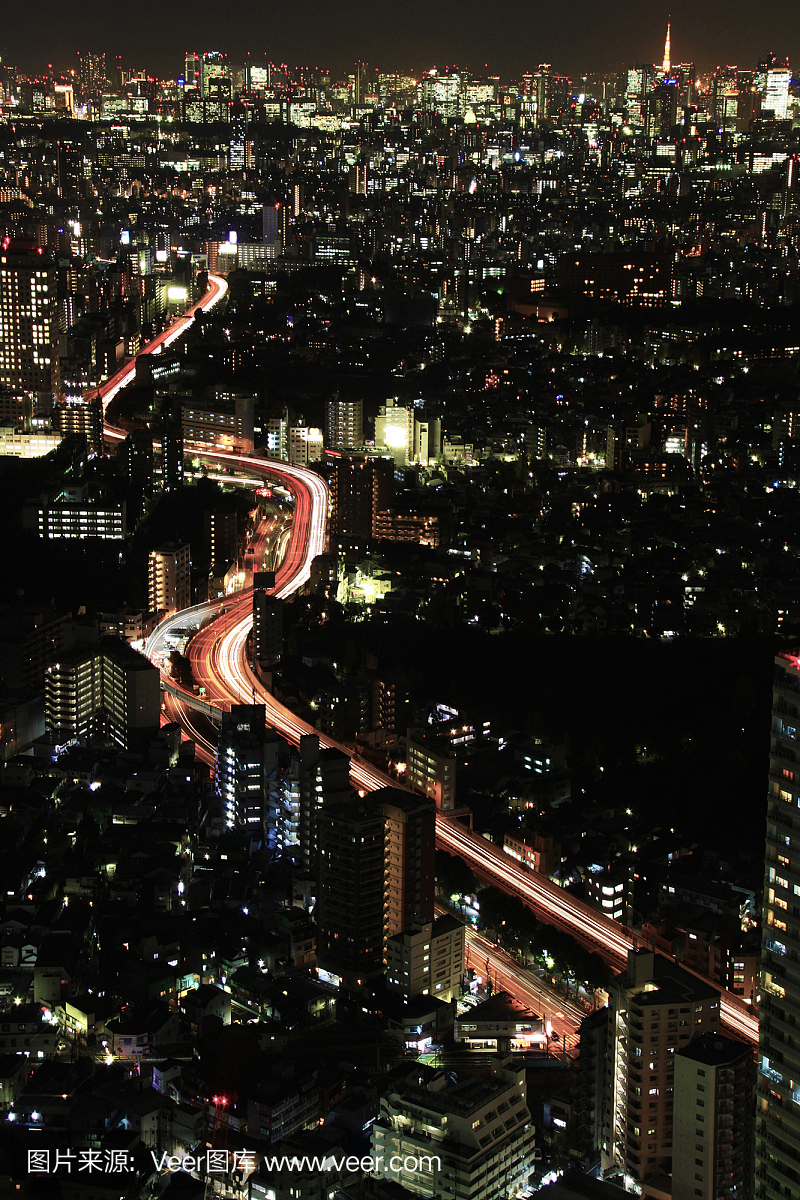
pixel 219 661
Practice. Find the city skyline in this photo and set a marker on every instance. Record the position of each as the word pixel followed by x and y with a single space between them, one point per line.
pixel 576 43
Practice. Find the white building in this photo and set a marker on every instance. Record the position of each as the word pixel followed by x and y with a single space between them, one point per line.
pixel 427 959
pixel 776 94
pixel 169 585
pixel 466 1140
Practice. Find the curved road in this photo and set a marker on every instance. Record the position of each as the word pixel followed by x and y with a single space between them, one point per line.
pixel 219 660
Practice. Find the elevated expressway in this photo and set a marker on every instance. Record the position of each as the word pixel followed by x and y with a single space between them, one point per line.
pixel 220 662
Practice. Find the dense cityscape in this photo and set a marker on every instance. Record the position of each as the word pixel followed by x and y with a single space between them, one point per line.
pixel 400 630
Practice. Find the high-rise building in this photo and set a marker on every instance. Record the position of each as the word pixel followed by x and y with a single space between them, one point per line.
pixel 249 776
pixel 442 94
pixel 344 424
pixel 776 95
pixel 323 776
pixel 108 691
pixel 192 69
pixel 640 81
pixel 91 73
pixel 28 320
pixel 360 488
pixel 409 867
pixel 84 417
pixel 214 67
pixel 400 828
pixel 655 1009
pixel 171 434
pixel 350 886
pixel 169 584
pixel 778 1102
pixel 267 627
pixel 714 1118
pixel 220 536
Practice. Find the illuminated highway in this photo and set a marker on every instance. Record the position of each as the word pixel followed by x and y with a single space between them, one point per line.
pixel 218 655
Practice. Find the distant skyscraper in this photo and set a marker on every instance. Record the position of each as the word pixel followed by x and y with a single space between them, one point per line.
pixel 778 1101
pixel 192 70
pixel 91 73
pixel 28 321
pixel 250 775
pixel 777 91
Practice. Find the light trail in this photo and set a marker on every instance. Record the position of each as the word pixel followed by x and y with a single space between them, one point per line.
pixel 218 655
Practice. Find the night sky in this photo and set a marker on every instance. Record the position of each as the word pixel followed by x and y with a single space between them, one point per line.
pixel 410 35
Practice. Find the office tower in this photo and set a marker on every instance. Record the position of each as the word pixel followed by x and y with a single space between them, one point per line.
pixel 84 417
pixel 776 95
pixel 394 430
pixel 714 1115
pixel 667 63
pixel 267 628
pixel 249 775
pixel 107 691
pixel 725 82
pixel 192 69
pixel 169 585
pixel 28 321
pixel 640 81
pixel 655 1009
pixel 344 424
pixel 360 489
pixel 442 94
pixel 778 1103
pixel 662 110
pixel 214 67
pixel 350 884
pixel 470 1142
pixel 542 83
pixel 240 154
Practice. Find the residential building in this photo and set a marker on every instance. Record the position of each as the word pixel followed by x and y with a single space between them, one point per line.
pixel 249 775
pixel 169 586
pixel 431 769
pixel 611 891
pixel 714 1120
pixel 344 424
pixel 463 1140
pixel 655 1009
pixel 778 1104
pixel 427 959
pixel 107 691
